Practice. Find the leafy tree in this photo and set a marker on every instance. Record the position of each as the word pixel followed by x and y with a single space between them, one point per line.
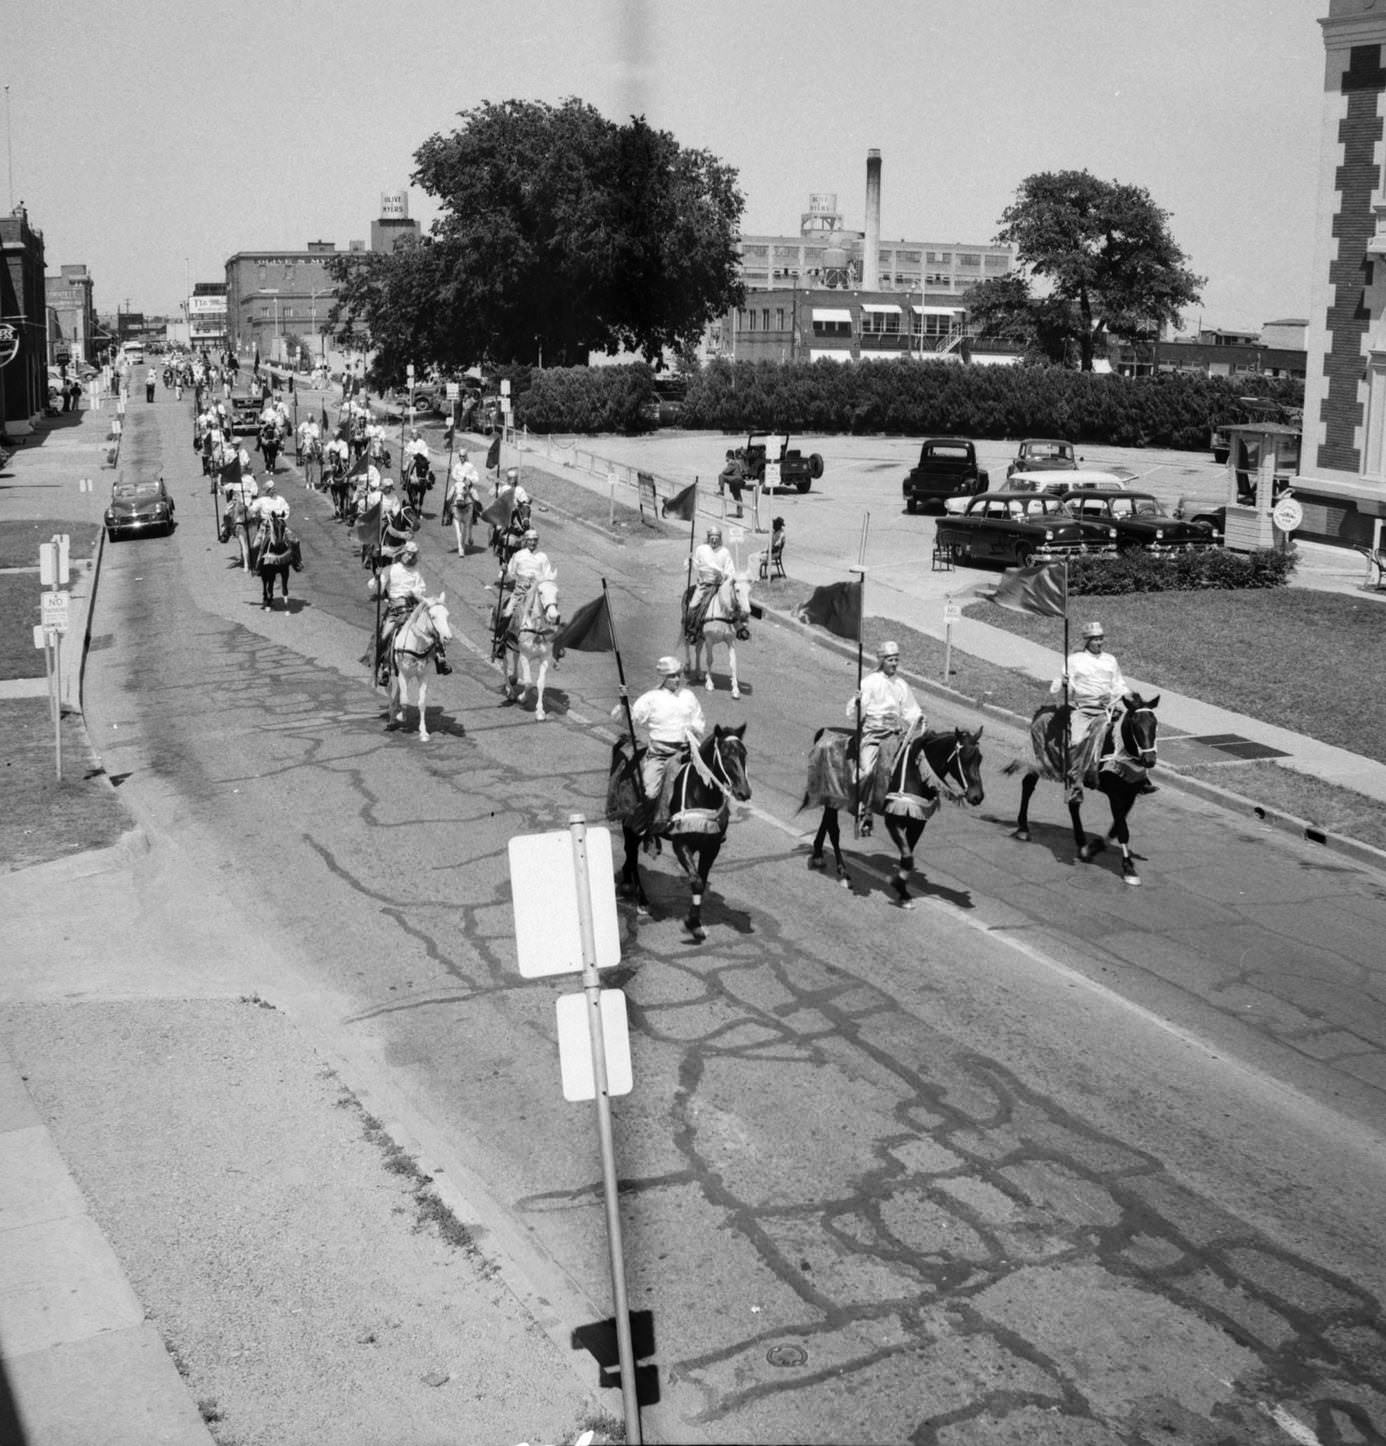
pixel 1105 255
pixel 561 233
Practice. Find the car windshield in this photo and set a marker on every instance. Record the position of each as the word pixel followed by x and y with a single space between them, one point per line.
pixel 953 453
pixel 1046 451
pixel 136 492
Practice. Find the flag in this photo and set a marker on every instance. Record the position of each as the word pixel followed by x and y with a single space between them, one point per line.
pixel 498 513
pixel 358 467
pixel 587 631
pixel 1041 589
pixel 836 607
pixel 257 356
pixel 683 505
pixel 367 529
pixel 493 453
pixel 323 422
pixel 230 472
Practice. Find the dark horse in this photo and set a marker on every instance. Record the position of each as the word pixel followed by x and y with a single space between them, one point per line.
pixel 928 766
pixel 269 443
pixel 699 813
pixel 1124 761
pixel 338 486
pixel 418 479
pixel 276 551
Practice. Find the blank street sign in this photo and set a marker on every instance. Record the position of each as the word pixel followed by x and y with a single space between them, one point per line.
pixel 543 889
pixel 575 1045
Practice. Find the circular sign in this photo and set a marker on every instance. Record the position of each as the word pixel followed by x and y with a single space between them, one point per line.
pixel 9 343
pixel 1287 514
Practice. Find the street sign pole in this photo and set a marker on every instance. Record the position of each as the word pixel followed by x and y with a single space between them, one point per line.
pixel 591 984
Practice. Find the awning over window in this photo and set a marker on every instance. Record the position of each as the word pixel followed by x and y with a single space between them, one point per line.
pixel 822 354
pixel 880 306
pixel 937 310
pixel 824 313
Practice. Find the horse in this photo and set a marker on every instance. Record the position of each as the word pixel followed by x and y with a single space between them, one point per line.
pixel 1124 760
pixel 310 460
pixel 927 766
pixel 412 644
pixel 418 478
pixel 529 640
pixel 276 551
pixel 235 526
pixel 699 813
pixel 461 509
pixel 724 623
pixel 396 529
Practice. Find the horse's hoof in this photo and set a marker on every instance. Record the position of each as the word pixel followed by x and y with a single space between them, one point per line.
pixel 710 685
pixel 1132 879
pixel 905 903
pixel 1023 834
pixel 696 932
pixel 816 861
pixel 539 715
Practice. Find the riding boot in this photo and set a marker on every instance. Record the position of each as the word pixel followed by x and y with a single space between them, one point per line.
pixel 440 661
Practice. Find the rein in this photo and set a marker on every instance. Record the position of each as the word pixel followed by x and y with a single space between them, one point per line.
pixel 415 624
pixel 705 775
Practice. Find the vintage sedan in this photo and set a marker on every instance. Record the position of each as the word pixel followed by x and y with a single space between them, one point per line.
pixel 139 507
pixel 1142 521
pixel 1043 454
pixel 1017 528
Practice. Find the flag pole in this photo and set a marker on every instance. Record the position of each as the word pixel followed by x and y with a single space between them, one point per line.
pixel 861 623
pixel 620 667
pixel 1068 711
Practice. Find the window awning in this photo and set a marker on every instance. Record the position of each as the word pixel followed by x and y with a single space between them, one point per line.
pixel 826 313
pixel 937 310
pixel 879 306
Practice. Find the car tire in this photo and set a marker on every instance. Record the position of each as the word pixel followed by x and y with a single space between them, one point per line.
pixel 1220 455
pixel 1024 556
pixel 911 506
pixel 804 485
pixel 815 467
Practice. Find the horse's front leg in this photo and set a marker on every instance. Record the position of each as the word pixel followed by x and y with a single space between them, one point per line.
pixel 696 859
pixel 904 834
pixel 628 885
pixel 1022 818
pixel 539 688
pixel 422 686
pixel 1122 797
pixel 1088 849
pixel 731 668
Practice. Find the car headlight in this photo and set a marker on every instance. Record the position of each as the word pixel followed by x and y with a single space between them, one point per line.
pixel 1159 534
pixel 1049 534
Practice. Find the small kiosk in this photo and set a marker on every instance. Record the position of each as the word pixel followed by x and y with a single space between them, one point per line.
pixel 1262 459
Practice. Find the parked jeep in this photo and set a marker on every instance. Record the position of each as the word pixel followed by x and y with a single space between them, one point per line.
pixel 795 470
pixel 947 468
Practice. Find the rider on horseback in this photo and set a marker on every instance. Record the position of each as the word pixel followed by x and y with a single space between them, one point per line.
pixel 713 565
pixel 267 506
pixel 459 506
pixel 674 724
pixel 402 587
pixel 1092 683
pixel 888 708
pixel 416 452
pixel 520 574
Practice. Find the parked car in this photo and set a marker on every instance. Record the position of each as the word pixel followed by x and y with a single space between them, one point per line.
pixel 1141 521
pixel 1043 454
pixel 795 470
pixel 139 507
pixel 1018 528
pixel 947 469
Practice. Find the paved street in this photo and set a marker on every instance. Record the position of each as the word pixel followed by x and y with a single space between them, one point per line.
pixel 1046 1159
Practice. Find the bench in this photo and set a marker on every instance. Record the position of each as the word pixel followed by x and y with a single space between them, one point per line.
pixel 1376 557
pixel 945 557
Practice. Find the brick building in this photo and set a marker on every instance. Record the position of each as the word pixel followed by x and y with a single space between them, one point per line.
pixel 1342 484
pixel 23 319
pixel 73 329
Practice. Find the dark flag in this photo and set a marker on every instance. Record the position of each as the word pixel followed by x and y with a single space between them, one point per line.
pixel 257 356
pixel 367 529
pixel 498 513
pixel 836 607
pixel 587 631
pixel 323 423
pixel 358 467
pixel 230 472
pixel 493 453
pixel 1041 589
pixel 683 505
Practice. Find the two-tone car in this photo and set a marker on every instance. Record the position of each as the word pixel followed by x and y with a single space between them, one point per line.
pixel 139 507
pixel 1141 521
pixel 1042 454
pixel 1017 528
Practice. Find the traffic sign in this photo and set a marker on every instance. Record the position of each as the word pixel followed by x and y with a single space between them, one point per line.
pixel 575 1045
pixel 1287 514
pixel 952 612
pixel 544 893
pixel 454 391
pixel 54 610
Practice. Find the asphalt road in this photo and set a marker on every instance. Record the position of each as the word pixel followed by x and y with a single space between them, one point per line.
pixel 1045 1159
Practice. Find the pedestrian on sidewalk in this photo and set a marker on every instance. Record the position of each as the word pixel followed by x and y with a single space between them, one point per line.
pixel 150 382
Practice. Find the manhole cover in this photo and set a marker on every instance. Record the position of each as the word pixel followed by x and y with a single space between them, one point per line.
pixel 787 1356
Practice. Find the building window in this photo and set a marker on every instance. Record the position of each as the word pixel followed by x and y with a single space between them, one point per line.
pixel 765 318
pixel 938 278
pixel 939 258
pixel 750 321
pixel 970 259
pixel 998 263
pixel 779 318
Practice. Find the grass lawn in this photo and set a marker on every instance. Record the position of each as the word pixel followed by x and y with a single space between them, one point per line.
pixel 20 541
pixel 45 818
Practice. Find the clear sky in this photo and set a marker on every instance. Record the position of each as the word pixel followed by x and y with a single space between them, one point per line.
pixel 152 139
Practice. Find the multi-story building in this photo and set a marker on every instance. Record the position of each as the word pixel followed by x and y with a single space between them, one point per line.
pixel 23 323
pixel 844 295
pixel 72 329
pixel 207 329
pixel 393 223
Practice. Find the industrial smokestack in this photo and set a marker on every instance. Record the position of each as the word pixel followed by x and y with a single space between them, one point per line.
pixel 871 246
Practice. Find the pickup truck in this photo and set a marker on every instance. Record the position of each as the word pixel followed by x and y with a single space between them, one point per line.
pixel 947 468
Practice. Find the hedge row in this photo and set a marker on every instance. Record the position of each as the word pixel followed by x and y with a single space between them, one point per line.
pixel 1214 568
pixel 910 398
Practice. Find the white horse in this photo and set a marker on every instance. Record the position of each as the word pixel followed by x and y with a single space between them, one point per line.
pixel 412 645
pixel 530 641
pixel 726 622
pixel 461 507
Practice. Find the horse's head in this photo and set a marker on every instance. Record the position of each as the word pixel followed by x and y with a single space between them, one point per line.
pixel 955 756
pixel 724 753
pixel 546 594
pixel 438 616
pixel 735 597
pixel 1139 727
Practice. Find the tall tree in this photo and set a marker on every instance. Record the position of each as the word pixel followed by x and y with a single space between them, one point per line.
pixel 1104 259
pixel 560 233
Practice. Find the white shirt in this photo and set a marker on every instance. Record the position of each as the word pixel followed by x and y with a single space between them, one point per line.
pixel 403 582
pixel 525 566
pixel 1093 678
pixel 669 715
pixel 463 472
pixel 308 432
pixel 269 505
pixel 885 702
pixel 416 447
pixel 712 564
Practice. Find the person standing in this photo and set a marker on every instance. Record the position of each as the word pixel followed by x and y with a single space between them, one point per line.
pixel 888 708
pixel 733 478
pixel 674 725
pixel 150 382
